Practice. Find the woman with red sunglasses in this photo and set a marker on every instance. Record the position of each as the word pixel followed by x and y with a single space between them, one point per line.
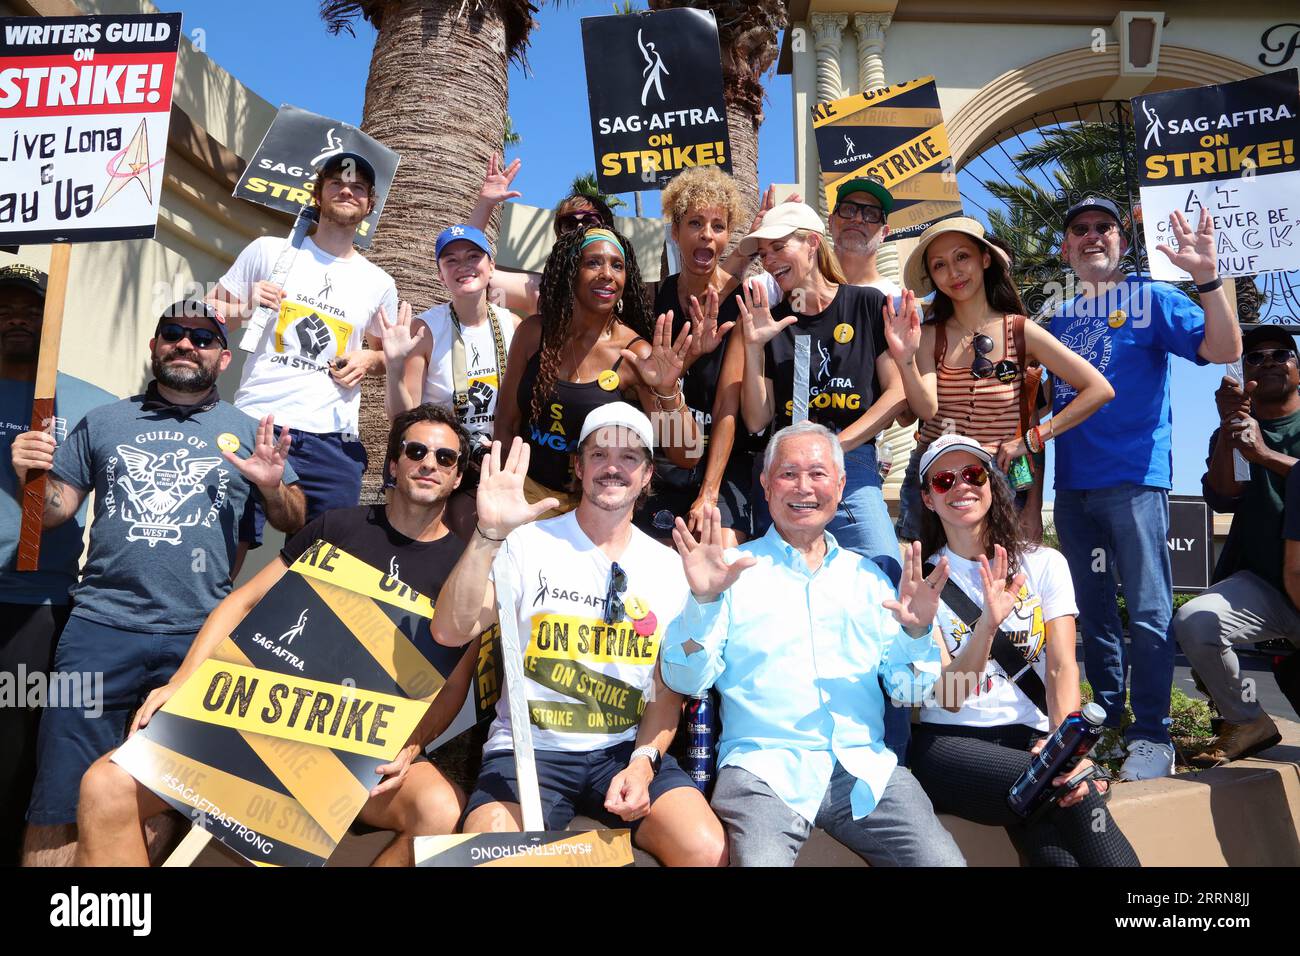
pixel 972 368
pixel 1007 602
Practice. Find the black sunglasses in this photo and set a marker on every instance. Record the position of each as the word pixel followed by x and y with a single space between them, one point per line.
pixel 617 585
pixel 416 451
pixel 1260 356
pixel 859 210
pixel 572 220
pixel 942 481
pixel 1005 371
pixel 173 332
pixel 1100 228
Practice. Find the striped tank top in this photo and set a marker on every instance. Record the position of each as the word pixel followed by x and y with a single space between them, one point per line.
pixel 983 409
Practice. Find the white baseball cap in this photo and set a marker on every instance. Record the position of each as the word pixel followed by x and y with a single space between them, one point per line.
pixel 780 221
pixel 946 443
pixel 620 413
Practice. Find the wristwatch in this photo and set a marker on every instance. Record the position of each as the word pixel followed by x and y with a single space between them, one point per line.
pixel 650 753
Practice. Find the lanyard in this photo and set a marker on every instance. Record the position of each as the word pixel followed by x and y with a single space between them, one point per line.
pixel 459 375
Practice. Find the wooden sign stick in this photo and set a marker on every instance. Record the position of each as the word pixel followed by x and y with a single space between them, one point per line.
pixel 47 372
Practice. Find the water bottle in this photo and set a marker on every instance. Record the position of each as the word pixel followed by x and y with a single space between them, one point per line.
pixel 1021 474
pixel 1073 741
pixel 701 740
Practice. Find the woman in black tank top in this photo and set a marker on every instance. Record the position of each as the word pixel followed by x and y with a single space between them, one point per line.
pixel 591 343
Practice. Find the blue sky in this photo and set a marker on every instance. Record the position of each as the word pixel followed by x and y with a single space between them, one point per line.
pixel 266 45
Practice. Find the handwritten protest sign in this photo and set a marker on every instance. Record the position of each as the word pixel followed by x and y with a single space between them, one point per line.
pixel 85 103
pixel 1230 149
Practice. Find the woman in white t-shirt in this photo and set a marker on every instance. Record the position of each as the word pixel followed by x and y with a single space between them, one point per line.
pixel 973 743
pixel 454 354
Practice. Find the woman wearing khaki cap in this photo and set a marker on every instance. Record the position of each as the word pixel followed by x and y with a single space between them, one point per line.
pixel 971 368
pixel 853 386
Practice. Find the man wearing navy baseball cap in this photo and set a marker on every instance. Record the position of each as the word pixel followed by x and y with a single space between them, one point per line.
pixel 454 353
pixel 1113 472
pixel 308 365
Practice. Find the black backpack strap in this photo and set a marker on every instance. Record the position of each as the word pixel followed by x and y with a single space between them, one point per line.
pixel 1003 651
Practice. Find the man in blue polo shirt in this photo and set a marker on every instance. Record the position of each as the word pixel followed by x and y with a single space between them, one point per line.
pixel 33 604
pixel 1113 471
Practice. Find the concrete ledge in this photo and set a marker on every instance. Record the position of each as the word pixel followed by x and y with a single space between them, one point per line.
pixel 1244 814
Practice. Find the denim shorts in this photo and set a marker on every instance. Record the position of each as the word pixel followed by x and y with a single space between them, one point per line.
pixel 116 669
pixel 329 473
pixel 570 783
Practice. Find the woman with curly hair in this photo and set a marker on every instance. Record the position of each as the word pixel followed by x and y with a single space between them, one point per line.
pixel 1007 611
pixel 592 342
pixel 703 205
pixel 973 368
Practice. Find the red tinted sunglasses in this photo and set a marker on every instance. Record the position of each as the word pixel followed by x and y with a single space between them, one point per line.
pixel 942 481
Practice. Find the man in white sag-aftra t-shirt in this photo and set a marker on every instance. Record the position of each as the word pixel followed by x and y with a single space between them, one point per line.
pixel 593 596
pixel 309 363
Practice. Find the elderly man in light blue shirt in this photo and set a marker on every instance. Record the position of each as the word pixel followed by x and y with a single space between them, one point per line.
pixel 794 632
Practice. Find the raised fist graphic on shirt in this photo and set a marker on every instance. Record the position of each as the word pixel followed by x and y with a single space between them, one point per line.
pixel 313 336
pixel 480 396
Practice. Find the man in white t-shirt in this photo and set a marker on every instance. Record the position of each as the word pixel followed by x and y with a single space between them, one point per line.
pixel 593 596
pixel 858 229
pixel 308 366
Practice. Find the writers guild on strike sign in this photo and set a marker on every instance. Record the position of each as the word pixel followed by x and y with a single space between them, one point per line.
pixel 85 104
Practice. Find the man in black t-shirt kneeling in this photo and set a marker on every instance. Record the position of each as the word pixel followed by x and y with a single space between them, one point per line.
pixel 427 452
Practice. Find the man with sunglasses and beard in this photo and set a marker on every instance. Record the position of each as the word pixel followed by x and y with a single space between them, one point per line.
pixel 173 470
pixel 592 595
pixel 1114 470
pixel 308 365
pixel 1247 601
pixel 858 228
pixel 407 543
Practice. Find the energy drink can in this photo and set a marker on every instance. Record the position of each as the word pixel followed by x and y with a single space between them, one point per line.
pixel 1073 741
pixel 701 742
pixel 1021 474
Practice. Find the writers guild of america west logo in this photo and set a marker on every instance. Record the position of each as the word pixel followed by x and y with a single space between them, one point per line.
pixel 158 490
pixel 313 335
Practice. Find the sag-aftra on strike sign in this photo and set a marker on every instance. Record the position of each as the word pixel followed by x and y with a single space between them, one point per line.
pixel 84 108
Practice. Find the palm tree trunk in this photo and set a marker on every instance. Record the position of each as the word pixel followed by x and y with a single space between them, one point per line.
pixel 436 93
pixel 742 128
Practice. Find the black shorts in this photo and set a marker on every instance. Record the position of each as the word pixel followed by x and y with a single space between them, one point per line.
pixel 570 783
pixel 665 503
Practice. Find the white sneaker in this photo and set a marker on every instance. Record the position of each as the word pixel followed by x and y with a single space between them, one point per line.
pixel 1146 760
